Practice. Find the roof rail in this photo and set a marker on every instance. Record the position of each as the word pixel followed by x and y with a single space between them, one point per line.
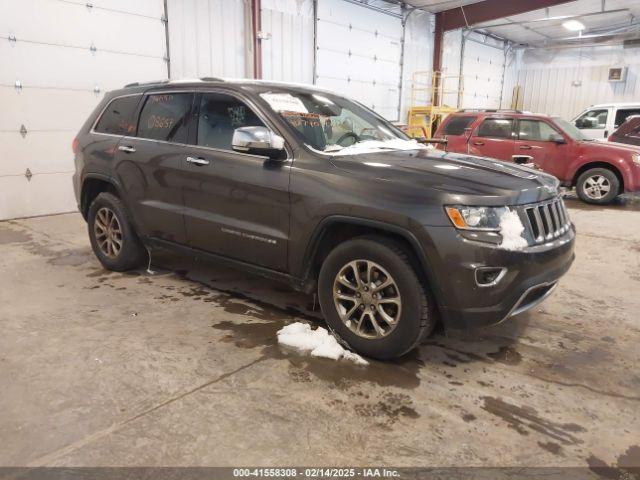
pixel 138 84
pixel 212 79
pixel 491 110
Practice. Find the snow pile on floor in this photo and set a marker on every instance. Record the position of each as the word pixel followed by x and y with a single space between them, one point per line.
pixel 511 229
pixel 318 342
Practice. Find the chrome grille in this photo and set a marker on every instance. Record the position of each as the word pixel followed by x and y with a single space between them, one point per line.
pixel 547 220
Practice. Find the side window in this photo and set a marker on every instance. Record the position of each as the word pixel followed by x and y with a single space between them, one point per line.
pixel 623 113
pixel 457 125
pixel 496 128
pixel 219 116
pixel 535 130
pixel 117 118
pixel 593 119
pixel 164 117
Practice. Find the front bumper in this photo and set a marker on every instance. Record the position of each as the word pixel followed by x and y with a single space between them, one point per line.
pixel 531 275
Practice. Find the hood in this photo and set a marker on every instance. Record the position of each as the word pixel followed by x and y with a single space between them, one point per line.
pixel 466 179
pixel 614 148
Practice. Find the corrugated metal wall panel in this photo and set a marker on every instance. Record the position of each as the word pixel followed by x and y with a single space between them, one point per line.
pixel 62 80
pixel 288 54
pixel 548 79
pixel 207 38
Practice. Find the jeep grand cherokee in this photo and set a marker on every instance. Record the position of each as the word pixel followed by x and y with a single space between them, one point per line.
pixel 306 186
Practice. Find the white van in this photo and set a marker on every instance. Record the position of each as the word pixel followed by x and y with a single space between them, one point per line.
pixel 599 121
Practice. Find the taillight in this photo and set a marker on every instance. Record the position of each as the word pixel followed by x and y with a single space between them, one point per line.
pixel 74 145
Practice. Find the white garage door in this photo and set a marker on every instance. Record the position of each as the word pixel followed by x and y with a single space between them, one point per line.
pixel 359 54
pixel 57 60
pixel 483 68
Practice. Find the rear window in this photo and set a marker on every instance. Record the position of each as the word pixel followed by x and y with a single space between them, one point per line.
pixel 164 117
pixel 117 118
pixel 456 125
pixel 496 128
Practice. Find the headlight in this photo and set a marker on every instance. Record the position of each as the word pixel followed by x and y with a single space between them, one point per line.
pixel 476 218
pixel 636 158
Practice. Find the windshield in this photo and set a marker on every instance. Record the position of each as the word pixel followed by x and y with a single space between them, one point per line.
pixel 333 124
pixel 570 129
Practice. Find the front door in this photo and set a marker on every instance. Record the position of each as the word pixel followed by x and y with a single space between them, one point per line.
pixel 151 165
pixel 593 123
pixel 493 138
pixel 236 204
pixel 534 145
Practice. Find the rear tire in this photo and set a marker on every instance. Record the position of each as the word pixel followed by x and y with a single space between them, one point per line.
pixel 598 186
pixel 113 239
pixel 402 310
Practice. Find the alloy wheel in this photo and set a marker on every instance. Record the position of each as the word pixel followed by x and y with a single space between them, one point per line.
pixel 108 232
pixel 367 299
pixel 597 187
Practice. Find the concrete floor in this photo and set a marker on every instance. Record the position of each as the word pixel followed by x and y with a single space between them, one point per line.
pixel 182 367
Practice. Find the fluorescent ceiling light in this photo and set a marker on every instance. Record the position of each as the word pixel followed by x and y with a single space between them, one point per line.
pixel 573 25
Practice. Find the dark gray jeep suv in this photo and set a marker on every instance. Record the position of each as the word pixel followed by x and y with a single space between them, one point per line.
pixel 303 185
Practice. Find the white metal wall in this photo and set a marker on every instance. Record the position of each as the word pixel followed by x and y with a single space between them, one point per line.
pixel 287 49
pixel 417 57
pixel 564 82
pixel 207 38
pixel 46 49
pixel 451 54
pixel 359 54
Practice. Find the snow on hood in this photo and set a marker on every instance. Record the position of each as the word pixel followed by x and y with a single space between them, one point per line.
pixel 318 342
pixel 370 146
pixel 511 229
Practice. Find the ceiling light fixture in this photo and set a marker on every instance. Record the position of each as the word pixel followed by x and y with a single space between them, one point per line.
pixel 573 25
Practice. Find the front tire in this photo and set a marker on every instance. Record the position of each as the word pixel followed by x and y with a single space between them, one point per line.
pixel 598 186
pixel 373 299
pixel 112 236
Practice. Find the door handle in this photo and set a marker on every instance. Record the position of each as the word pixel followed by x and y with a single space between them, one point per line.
pixel 126 148
pixel 520 159
pixel 478 143
pixel 198 161
pixel 525 147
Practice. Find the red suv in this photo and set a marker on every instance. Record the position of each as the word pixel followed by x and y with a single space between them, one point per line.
pixel 600 171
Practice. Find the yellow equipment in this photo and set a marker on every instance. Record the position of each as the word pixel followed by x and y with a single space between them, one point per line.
pixel 425 113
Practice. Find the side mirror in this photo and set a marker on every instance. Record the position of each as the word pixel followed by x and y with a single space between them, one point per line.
pixel 557 138
pixel 258 141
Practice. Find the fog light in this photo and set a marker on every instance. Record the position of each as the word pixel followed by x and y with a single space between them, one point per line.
pixel 489 276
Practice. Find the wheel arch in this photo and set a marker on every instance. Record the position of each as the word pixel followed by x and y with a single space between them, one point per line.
pixel 599 164
pixel 93 185
pixel 333 230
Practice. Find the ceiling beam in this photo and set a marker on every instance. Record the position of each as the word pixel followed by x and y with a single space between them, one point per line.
pixel 558 18
pixel 488 10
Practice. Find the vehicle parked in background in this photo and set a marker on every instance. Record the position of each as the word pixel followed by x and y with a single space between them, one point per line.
pixel 599 121
pixel 306 186
pixel 599 170
pixel 628 132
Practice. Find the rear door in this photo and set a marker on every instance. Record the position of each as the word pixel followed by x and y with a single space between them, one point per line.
pixel 236 204
pixel 593 123
pixel 534 145
pixel 150 165
pixel 493 138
